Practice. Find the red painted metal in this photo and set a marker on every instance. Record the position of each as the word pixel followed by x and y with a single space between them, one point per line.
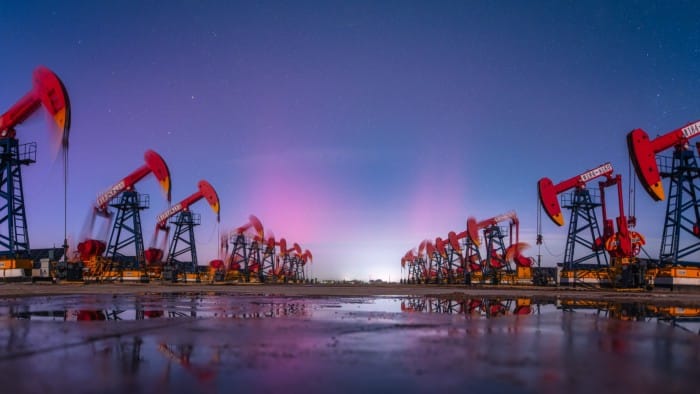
pixel 255 224
pixel 548 191
pixel 623 243
pixel 206 191
pixel 153 164
pixel 473 226
pixel 514 250
pixel 48 90
pixel 643 152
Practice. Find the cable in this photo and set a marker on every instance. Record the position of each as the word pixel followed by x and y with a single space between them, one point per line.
pixel 550 252
pixel 539 229
pixel 65 201
pixel 631 196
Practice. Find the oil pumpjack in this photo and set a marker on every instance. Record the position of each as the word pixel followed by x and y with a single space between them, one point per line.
pixel 496 267
pixel 126 235
pixel 48 92
pixel 680 240
pixel 623 245
pixel 181 262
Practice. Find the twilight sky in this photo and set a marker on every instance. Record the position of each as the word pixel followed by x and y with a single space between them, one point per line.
pixel 354 128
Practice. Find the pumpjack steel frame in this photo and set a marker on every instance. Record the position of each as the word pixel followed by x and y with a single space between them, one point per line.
pixel 682 208
pixel 239 254
pixel 495 252
pixel 267 264
pixel 14 235
pixel 253 261
pixel 583 220
pixel 126 231
pixel 472 258
pixel 183 244
pixel 454 263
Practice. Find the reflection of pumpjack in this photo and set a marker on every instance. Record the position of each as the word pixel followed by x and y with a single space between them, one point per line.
pixel 182 354
pixel 484 307
pixel 676 316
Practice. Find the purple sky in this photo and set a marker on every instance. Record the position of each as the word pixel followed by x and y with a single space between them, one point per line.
pixel 354 128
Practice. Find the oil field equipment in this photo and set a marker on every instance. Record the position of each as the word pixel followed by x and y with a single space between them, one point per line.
pixel 411 263
pixel 255 257
pixel 126 235
pixel 270 266
pixel 434 260
pixel 294 262
pixel 496 267
pixel 454 260
pixel 439 262
pixel 49 92
pixel 681 231
pixel 583 223
pixel 623 245
pixel 240 264
pixel 181 261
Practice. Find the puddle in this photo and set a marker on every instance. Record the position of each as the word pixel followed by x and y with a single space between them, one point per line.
pixel 212 342
pixel 212 306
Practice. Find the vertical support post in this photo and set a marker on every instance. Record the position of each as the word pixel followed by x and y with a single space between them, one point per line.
pixel 682 211
pixel 126 236
pixel 583 231
pixel 14 235
pixel 183 244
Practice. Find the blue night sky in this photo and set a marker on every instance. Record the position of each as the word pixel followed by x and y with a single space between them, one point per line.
pixel 354 128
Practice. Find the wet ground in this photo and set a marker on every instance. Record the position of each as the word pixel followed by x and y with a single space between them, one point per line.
pixel 263 340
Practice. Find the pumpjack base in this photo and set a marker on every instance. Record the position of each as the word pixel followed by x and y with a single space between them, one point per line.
pixel 70 271
pixel 678 277
pixel 16 269
pixel 134 276
pixel 174 276
pixel 16 264
pixel 628 276
pixel 593 277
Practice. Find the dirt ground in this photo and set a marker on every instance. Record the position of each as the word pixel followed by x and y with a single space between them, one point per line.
pixel 656 296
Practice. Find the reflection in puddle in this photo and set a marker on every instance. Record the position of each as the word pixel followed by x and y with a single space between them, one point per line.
pixel 473 307
pixel 168 306
pixel 685 318
pixel 186 342
pixel 176 306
